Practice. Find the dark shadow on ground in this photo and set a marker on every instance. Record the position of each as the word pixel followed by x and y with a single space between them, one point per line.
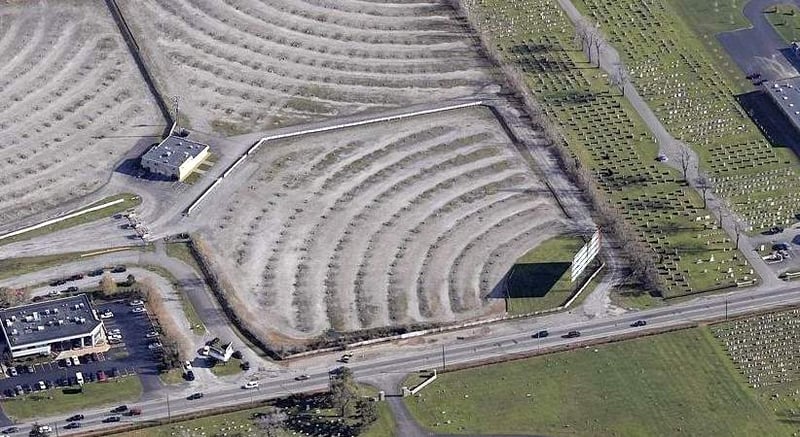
pixel 529 280
pixel 770 120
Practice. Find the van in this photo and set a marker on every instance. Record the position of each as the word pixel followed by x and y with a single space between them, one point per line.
pixel 79 377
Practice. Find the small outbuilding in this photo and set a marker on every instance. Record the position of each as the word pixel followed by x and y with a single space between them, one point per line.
pixel 175 157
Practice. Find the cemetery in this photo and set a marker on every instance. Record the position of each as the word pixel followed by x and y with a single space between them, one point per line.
pixel 607 137
pixel 676 75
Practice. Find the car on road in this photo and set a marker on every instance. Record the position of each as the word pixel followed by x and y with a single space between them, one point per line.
pixel 54 293
pixel 120 409
pixel 107 315
pixel 194 396
pixel 11 430
pixel 302 377
pixel 75 418
pixel 111 419
pixel 73 425
pixel 119 269
pixel 57 282
pixel 572 334
pixel 12 371
pixel 96 272
pixel 134 412
pixel 639 323
pixel 76 277
pixel 138 310
pixel 541 334
pixel 136 302
pixel 250 385
pixel 71 289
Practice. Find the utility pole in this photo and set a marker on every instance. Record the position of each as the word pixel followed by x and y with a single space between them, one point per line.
pixel 175 99
pixel 444 363
pixel 726 308
pixel 169 412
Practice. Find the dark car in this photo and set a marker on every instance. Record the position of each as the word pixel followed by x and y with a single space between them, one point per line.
pixel 541 334
pixel 572 334
pixel 57 282
pixel 19 390
pixel 114 372
pixel 30 368
pixel 120 409
pixel 773 230
pixel 237 355
pixel 76 277
pixel 780 246
pixel 245 365
pixel 72 425
pixel 101 376
pixel 639 323
pixel 134 412
pixel 302 377
pixel 118 269
pixel 10 430
pixel 97 272
pixel 189 375
pixel 194 396
pixel 111 419
pixel 75 418
pixel 71 289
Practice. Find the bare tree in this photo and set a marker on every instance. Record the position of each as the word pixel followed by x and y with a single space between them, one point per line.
pixel 685 159
pixel 738 229
pixel 271 421
pixel 703 184
pixel 620 77
pixel 344 392
pixel 599 41
pixel 108 285
pixel 10 297
pixel 585 31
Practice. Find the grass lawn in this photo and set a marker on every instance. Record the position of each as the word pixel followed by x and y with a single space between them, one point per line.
pixel 131 201
pixel 679 383
pixel 211 425
pixel 56 401
pixel 182 252
pixel 540 279
pixel 232 367
pixel 11 267
pixel 174 376
pixel 188 309
pixel 786 21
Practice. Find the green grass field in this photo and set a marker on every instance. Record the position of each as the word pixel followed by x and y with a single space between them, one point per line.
pixel 786 21
pixel 540 280
pixel 131 201
pixel 11 267
pixel 55 401
pixel 232 367
pixel 679 383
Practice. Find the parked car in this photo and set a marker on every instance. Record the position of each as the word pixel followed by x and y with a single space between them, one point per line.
pixel 101 376
pixel 107 315
pixel 138 310
pixel 780 246
pixel 541 334
pixel 250 385
pixel 12 371
pixel 114 372
pixel 30 368
pixel 111 419
pixel 187 365
pixel 152 334
pixel 75 418
pixel 204 350
pixel 245 365
pixel 19 390
pixel 76 361
pixel 190 375
pixel 152 346
pixel 639 323
pixel 41 385
pixel 11 430
pixel 572 334
pixel 136 302
pixel 237 355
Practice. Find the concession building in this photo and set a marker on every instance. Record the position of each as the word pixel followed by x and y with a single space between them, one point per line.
pixel 175 157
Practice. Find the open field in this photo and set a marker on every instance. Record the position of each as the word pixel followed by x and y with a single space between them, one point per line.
pixel 246 65
pixel 608 138
pixel 413 220
pixel 540 279
pixel 57 402
pixel 130 201
pixel 67 86
pixel 672 384
pixel 695 102
pixel 786 20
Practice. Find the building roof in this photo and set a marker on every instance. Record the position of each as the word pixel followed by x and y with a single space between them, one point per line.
pixel 49 320
pixel 174 151
pixel 786 94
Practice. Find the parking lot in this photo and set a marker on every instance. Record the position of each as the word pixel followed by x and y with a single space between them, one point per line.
pixel 132 355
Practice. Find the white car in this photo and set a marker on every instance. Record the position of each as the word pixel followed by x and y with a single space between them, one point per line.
pixel 42 386
pixel 136 302
pixel 138 310
pixel 187 365
pixel 76 361
pixel 204 350
pixel 152 334
pixel 107 315
pixel 154 346
pixel 117 337
pixel 250 385
pixel 114 331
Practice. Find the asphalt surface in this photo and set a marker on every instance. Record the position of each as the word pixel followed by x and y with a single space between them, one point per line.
pixel 758 49
pixel 428 354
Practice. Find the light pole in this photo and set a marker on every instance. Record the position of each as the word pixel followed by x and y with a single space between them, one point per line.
pixel 444 362
pixel 169 411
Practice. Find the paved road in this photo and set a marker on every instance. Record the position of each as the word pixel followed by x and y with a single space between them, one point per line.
pixel 428 354
pixel 673 149
pixel 758 48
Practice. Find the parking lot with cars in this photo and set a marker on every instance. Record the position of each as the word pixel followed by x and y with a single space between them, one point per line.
pixel 131 353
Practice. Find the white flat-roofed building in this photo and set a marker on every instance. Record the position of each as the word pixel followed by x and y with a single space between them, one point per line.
pixel 175 157
pixel 51 326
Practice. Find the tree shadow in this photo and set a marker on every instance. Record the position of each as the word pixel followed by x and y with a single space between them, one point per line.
pixel 772 122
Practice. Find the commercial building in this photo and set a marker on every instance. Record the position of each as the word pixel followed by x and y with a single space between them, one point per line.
pixel 51 326
pixel 221 353
pixel 175 157
pixel 786 95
